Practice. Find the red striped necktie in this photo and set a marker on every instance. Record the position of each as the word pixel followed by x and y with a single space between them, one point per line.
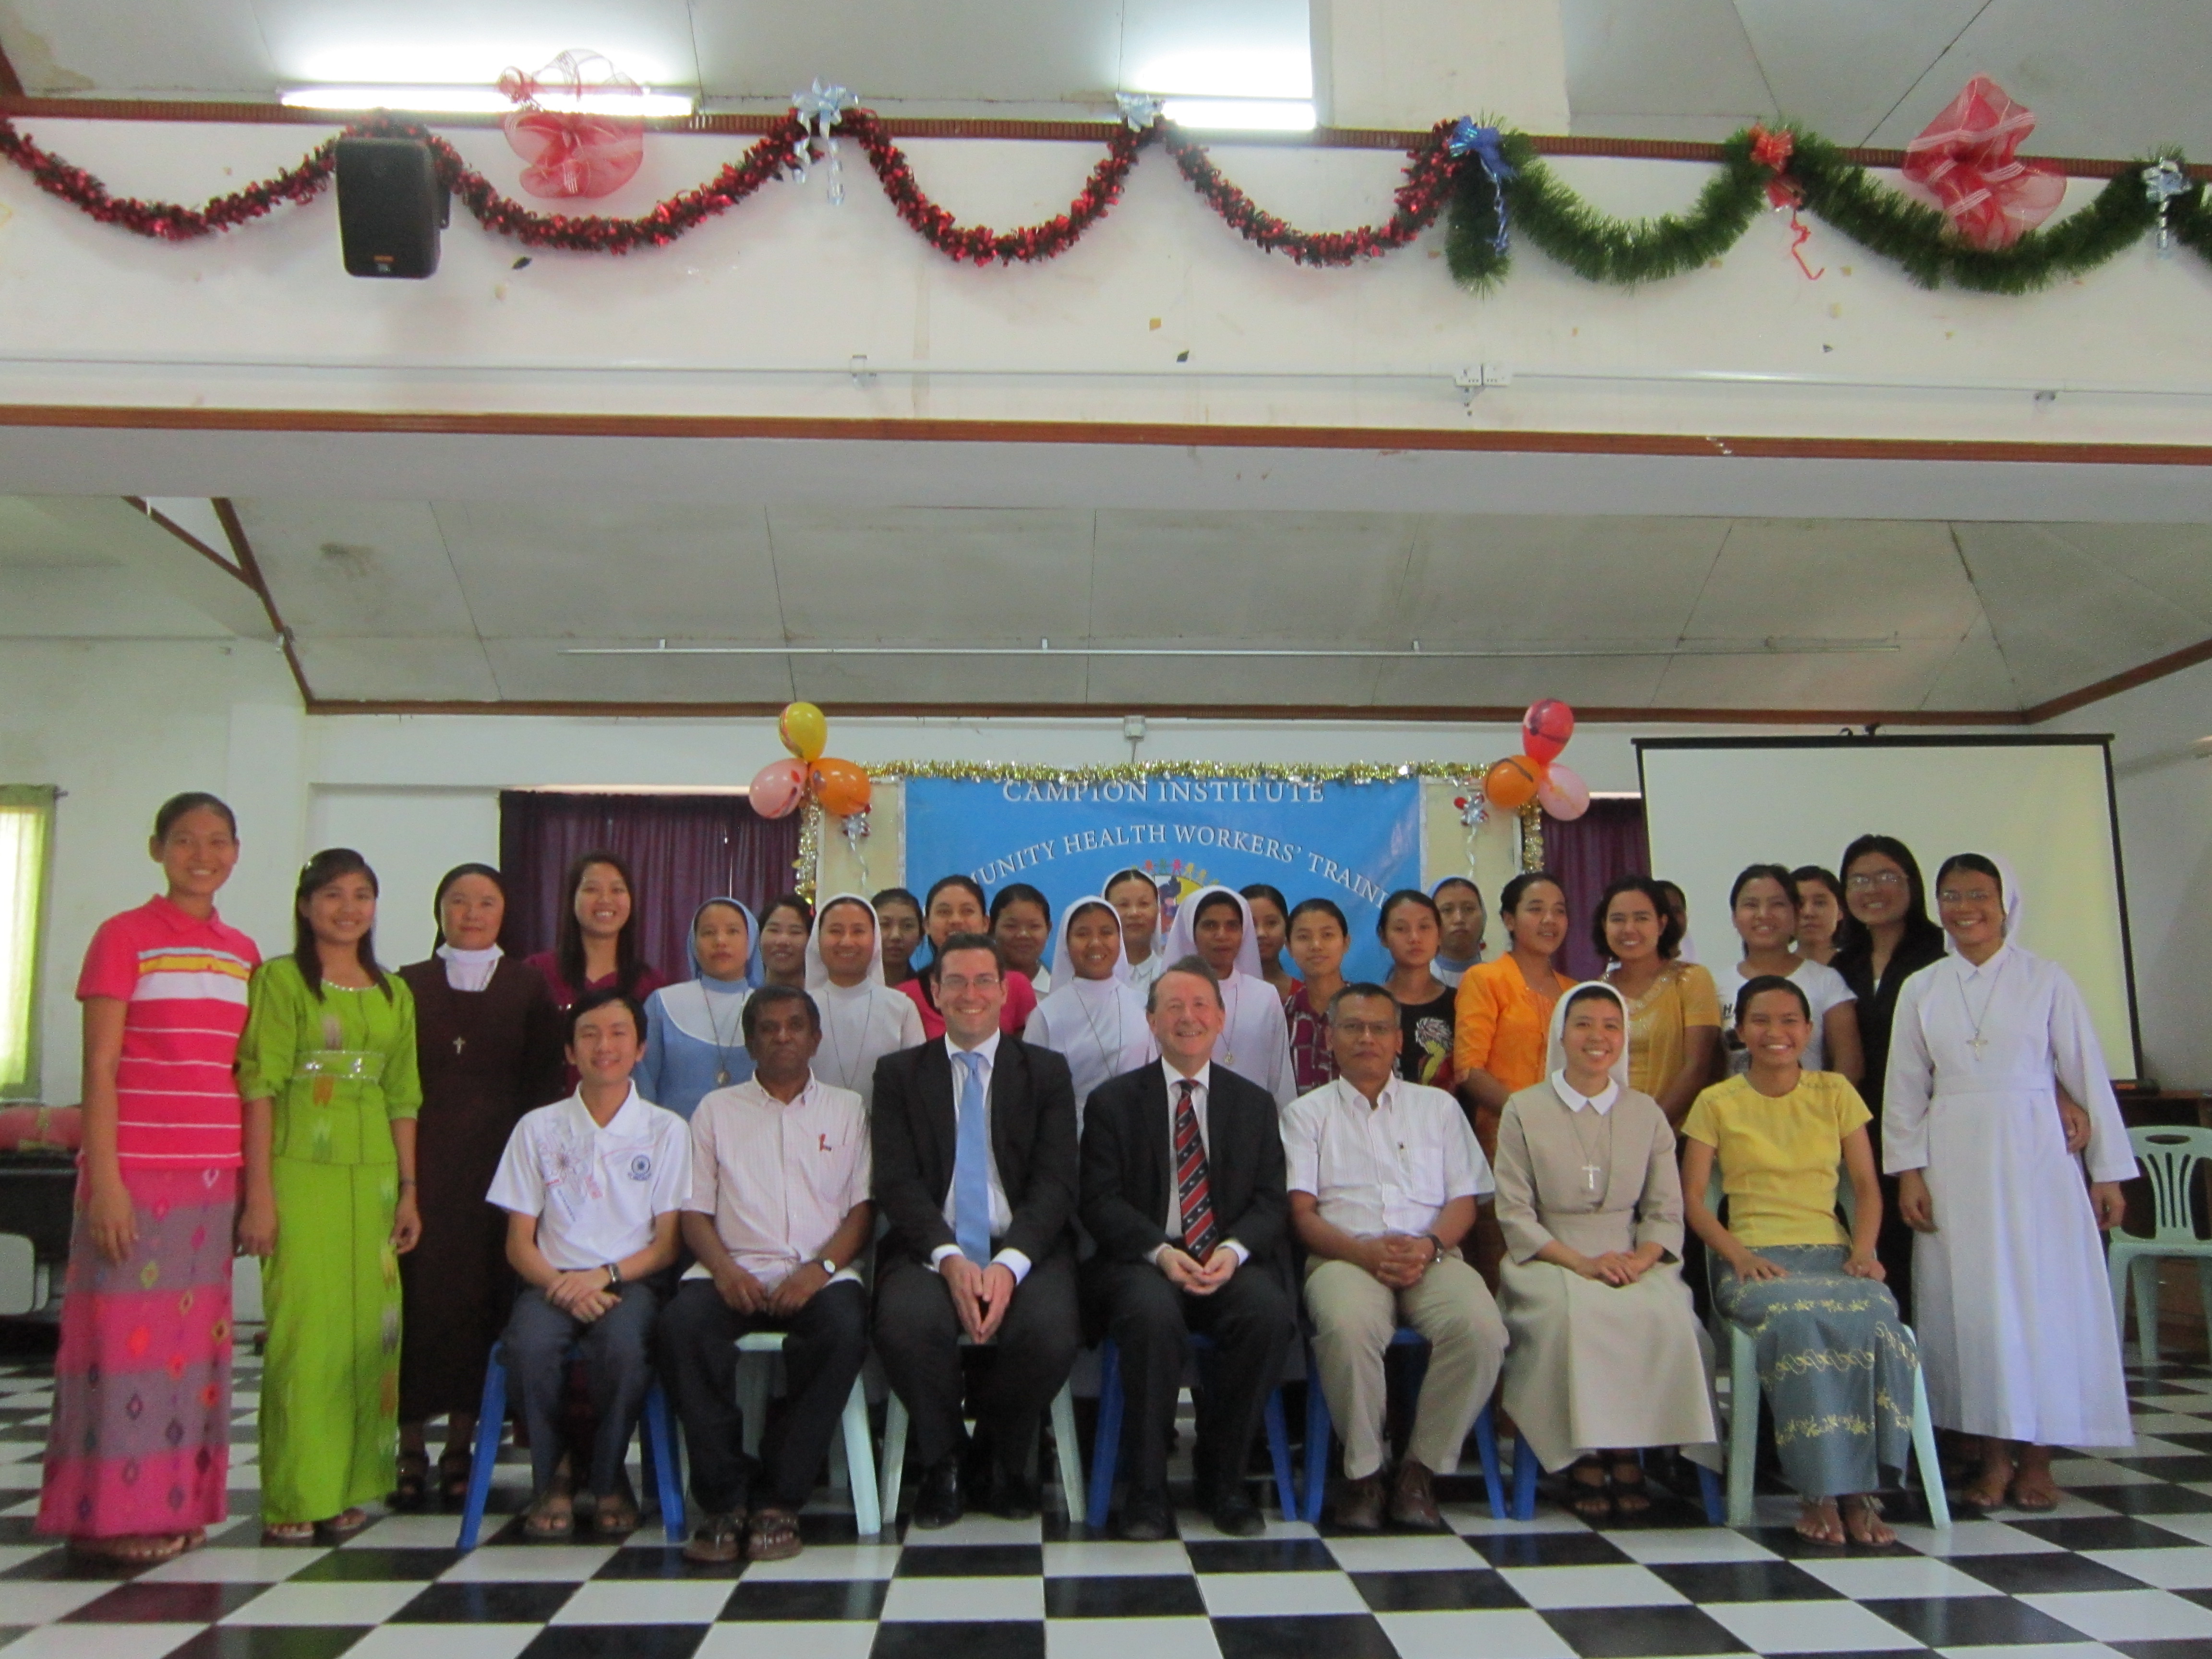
pixel 1194 1193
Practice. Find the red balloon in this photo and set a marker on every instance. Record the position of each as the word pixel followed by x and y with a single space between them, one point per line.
pixel 1546 728
pixel 842 788
pixel 778 788
pixel 1511 783
pixel 1562 793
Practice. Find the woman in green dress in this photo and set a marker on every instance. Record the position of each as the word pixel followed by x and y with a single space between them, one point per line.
pixel 327 1070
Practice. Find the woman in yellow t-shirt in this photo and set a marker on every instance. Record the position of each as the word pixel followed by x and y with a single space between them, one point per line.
pixel 1674 1012
pixel 1835 1363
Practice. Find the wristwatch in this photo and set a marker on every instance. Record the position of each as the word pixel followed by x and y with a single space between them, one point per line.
pixel 828 1264
pixel 1435 1248
pixel 613 1271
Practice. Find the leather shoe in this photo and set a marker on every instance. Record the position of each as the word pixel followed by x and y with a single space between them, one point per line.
pixel 1234 1516
pixel 939 1503
pixel 1359 1504
pixel 1014 1496
pixel 1146 1518
pixel 1414 1496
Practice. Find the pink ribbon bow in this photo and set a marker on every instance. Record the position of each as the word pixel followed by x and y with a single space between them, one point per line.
pixel 1965 164
pixel 571 152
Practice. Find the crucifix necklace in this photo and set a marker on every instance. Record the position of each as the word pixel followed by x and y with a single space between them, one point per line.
pixel 721 1047
pixel 1592 1169
pixel 1976 1042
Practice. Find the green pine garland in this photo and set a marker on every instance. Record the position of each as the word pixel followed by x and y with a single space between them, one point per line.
pixel 1845 195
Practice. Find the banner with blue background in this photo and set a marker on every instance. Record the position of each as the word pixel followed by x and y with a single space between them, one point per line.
pixel 1353 843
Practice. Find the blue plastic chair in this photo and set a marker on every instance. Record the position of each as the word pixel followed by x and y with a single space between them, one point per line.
pixel 1106 1453
pixel 1320 1427
pixel 1526 1469
pixel 658 1454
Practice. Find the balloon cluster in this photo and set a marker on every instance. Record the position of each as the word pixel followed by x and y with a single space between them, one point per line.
pixel 837 787
pixel 1535 774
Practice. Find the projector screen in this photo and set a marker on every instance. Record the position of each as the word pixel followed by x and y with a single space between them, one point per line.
pixel 1714 805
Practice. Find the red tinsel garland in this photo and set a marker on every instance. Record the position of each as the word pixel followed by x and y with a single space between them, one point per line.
pixel 1429 172
pixel 979 242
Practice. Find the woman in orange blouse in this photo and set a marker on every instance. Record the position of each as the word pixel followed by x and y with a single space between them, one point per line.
pixel 1503 1018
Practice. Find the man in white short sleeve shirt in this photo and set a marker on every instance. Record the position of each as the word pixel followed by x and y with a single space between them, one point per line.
pixel 592 1185
pixel 1384 1176
pixel 777 1215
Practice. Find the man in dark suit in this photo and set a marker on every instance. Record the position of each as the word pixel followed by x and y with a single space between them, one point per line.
pixel 1184 1192
pixel 975 1173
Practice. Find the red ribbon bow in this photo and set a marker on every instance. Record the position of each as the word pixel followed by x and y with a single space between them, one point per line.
pixel 1773 150
pixel 1966 164
pixel 569 152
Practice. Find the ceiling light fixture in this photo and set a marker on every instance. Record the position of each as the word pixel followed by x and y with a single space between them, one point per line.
pixel 484 100
pixel 1766 647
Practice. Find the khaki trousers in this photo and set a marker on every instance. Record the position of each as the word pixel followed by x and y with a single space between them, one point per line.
pixel 1354 1315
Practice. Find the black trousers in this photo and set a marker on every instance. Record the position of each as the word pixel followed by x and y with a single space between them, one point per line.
pixel 918 1337
pixel 617 1350
pixel 824 1345
pixel 1251 1324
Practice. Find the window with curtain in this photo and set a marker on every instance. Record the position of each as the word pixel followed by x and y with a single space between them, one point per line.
pixel 26 815
pixel 683 850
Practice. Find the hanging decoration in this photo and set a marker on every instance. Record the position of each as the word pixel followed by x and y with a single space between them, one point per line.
pixel 819 782
pixel 570 150
pixel 1493 182
pixel 1965 162
pixel 1534 775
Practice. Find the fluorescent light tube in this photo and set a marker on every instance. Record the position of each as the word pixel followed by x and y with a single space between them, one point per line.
pixel 484 100
pixel 1242 114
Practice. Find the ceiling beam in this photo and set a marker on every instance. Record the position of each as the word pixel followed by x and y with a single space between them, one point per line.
pixel 152 547
pixel 250 567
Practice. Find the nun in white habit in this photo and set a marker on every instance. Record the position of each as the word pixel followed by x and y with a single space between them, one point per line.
pixel 862 1019
pixel 2010 1298
pixel 1094 1017
pixel 1607 1355
pixel 1214 924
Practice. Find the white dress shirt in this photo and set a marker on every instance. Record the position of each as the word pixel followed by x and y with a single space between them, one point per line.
pixel 1002 1210
pixel 1389 1168
pixel 778 1178
pixel 1199 1098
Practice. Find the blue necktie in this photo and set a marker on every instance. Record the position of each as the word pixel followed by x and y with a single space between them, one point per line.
pixel 971 1167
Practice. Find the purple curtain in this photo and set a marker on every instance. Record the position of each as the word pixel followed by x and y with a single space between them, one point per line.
pixel 1588 855
pixel 683 850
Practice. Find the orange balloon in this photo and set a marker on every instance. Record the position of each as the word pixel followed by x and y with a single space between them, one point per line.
pixel 1511 783
pixel 842 788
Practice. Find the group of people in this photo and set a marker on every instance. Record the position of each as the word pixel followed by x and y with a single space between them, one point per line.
pixel 893 1123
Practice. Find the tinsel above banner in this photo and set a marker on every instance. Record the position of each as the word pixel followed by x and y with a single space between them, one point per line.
pixel 1494 183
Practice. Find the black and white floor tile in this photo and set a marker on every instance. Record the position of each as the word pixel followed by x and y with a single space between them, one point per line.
pixel 2125 1566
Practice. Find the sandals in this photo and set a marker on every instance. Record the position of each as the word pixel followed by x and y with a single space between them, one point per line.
pixel 544 1523
pixel 148 1549
pixel 288 1532
pixel 1818 1522
pixel 412 1488
pixel 339 1528
pixel 1862 1516
pixel 772 1535
pixel 1593 1497
pixel 615 1517
pixel 454 1469
pixel 719 1541
pixel 1629 1495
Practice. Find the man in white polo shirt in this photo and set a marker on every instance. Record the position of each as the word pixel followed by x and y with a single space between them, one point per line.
pixel 1383 1177
pixel 592 1185
pixel 777 1215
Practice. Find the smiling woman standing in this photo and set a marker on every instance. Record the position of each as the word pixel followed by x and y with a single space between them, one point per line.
pixel 329 1071
pixel 1674 1012
pixel 1763 903
pixel 598 946
pixel 164 990
pixel 487 1049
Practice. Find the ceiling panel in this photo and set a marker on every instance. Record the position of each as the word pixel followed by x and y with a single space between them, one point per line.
pixel 1977 677
pixel 697 572
pixel 1005 49
pixel 1287 680
pixel 126 46
pixel 409 670
pixel 1795 578
pixel 967 681
pixel 1475 579
pixel 30 539
pixel 1599 682
pixel 48 602
pixel 1679 58
pixel 1840 65
pixel 542 670
pixel 1008 576
pixel 1256 578
pixel 1899 678
pixel 2174 562
pixel 363 569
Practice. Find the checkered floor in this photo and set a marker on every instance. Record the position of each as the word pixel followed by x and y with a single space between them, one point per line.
pixel 2125 1565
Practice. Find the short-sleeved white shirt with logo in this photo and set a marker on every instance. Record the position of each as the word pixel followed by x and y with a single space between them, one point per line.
pixel 595 1191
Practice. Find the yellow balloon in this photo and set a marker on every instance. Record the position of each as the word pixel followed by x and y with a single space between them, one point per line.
pixel 805 731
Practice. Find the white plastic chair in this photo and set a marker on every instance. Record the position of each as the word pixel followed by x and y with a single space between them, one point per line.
pixel 852 1462
pixel 1743 1404
pixel 893 1477
pixel 2169 1157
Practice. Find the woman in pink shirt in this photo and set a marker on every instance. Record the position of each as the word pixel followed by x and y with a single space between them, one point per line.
pixel 955 905
pixel 138 1454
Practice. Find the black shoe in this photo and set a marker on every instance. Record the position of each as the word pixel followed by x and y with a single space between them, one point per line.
pixel 1235 1515
pixel 1146 1518
pixel 1014 1496
pixel 939 1503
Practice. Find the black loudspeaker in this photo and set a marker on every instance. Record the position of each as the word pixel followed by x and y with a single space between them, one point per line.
pixel 391 207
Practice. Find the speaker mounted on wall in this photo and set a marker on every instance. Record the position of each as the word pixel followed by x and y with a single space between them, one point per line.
pixel 392 205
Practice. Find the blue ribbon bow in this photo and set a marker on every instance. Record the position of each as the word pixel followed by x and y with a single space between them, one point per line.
pixel 819 108
pixel 1487 145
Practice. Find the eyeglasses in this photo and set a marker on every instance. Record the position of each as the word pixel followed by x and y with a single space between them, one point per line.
pixel 957 983
pixel 1875 878
pixel 1973 895
pixel 1364 1027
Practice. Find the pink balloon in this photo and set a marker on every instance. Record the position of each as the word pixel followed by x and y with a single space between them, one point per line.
pixel 1562 793
pixel 778 787
pixel 1546 728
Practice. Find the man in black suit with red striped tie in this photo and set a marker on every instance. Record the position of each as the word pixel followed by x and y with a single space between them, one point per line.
pixel 1183 1192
